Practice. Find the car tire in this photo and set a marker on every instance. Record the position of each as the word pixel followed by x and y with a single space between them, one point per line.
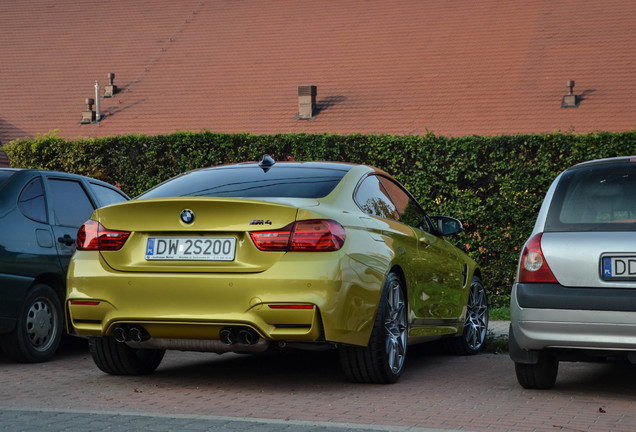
pixel 476 323
pixel 541 375
pixel 382 361
pixel 38 331
pixel 117 358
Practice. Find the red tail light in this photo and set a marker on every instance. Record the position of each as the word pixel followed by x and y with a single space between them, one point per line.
pixel 303 236
pixel 93 236
pixel 533 266
pixel 84 303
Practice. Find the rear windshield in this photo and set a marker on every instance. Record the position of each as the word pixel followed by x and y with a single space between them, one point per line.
pixel 595 198
pixel 251 181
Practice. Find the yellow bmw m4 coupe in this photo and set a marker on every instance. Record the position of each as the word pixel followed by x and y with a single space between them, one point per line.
pixel 257 256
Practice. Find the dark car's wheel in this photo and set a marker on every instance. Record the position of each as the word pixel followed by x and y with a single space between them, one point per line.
pixel 383 359
pixel 476 323
pixel 39 328
pixel 117 358
pixel 541 375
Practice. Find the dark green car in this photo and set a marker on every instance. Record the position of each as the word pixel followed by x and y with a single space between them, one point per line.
pixel 40 213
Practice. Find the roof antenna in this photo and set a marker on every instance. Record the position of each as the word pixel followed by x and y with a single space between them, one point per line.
pixel 266 163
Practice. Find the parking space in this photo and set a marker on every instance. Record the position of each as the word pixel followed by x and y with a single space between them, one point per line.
pixel 436 391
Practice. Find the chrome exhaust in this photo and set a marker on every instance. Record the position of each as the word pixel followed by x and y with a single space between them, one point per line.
pixel 120 334
pixel 130 334
pixel 247 337
pixel 226 336
pixel 134 335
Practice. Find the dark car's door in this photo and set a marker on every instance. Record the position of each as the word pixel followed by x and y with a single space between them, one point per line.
pixel 70 206
pixel 72 200
pixel 27 247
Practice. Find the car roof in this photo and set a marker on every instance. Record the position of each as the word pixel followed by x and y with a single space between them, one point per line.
pixel 342 166
pixel 604 161
pixel 58 173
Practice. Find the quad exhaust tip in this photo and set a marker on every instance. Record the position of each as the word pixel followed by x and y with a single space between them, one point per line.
pixel 240 335
pixel 228 335
pixel 130 334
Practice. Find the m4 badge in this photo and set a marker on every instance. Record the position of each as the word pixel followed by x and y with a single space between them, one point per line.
pixel 260 222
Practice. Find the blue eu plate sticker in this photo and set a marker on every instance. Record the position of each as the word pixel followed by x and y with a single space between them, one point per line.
pixel 607 267
pixel 150 247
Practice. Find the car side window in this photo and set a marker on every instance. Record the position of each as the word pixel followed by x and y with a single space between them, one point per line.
pixel 71 205
pixel 410 211
pixel 373 199
pixel 32 203
pixel 106 195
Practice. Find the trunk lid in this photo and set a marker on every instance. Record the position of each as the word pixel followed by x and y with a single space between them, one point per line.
pixel 216 223
pixel 577 258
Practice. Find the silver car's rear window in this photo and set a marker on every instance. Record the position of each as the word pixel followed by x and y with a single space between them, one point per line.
pixel 251 181
pixel 595 198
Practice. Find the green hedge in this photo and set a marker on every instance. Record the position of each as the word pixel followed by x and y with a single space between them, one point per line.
pixel 494 185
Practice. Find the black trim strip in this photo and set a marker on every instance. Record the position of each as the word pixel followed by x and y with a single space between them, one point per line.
pixel 556 296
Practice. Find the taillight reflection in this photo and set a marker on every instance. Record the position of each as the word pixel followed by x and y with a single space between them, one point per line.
pixel 93 236
pixel 533 266
pixel 318 235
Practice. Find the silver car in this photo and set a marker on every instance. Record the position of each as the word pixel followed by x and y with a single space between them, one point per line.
pixel 574 298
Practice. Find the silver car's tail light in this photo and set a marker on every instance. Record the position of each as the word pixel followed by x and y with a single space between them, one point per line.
pixel 533 266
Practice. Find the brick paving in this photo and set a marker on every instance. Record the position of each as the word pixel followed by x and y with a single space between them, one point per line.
pixel 306 391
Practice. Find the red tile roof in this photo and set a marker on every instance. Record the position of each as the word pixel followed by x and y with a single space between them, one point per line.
pixel 401 67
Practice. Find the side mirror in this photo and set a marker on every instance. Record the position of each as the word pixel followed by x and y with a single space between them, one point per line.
pixel 447 225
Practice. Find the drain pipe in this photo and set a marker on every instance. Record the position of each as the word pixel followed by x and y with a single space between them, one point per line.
pixel 97 116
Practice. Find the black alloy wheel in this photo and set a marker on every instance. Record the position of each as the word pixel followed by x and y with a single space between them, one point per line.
pixel 475 324
pixel 382 361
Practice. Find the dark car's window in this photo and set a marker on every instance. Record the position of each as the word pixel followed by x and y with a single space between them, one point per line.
pixel 595 198
pixel 106 195
pixel 70 203
pixel 373 199
pixel 251 181
pixel 4 177
pixel 32 203
pixel 410 211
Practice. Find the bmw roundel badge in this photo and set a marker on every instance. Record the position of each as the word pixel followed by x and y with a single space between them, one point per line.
pixel 187 216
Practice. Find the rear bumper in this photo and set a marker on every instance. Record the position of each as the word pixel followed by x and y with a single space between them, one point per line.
pixel 556 296
pixel 341 297
pixel 549 322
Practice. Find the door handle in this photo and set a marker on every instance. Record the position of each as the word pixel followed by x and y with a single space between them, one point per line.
pixel 67 240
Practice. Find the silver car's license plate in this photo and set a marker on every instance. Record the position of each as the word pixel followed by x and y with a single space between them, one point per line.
pixel 618 267
pixel 191 248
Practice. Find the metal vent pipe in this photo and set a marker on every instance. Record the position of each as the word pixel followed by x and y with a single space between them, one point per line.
pixel 97 115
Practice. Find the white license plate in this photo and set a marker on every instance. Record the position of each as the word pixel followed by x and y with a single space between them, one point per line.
pixel 191 248
pixel 617 268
